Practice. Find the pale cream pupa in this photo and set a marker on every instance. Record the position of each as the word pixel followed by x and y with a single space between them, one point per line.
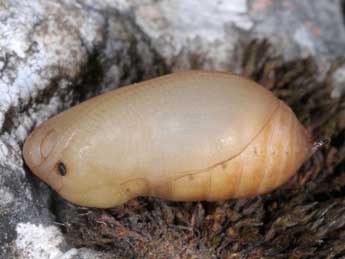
pixel 186 136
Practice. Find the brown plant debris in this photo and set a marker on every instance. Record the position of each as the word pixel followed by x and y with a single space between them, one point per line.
pixel 303 219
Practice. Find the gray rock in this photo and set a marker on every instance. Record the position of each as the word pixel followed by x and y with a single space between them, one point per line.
pixel 214 30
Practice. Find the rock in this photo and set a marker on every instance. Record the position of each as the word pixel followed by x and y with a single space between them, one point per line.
pixel 211 34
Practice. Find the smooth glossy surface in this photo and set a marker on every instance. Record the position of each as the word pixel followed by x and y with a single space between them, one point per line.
pixel 185 136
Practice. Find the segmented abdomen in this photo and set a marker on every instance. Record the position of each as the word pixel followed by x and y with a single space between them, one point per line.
pixel 268 161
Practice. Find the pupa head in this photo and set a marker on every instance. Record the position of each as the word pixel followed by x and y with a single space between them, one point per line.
pixel 58 153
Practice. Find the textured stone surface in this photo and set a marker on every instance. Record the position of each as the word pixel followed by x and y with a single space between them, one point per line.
pixel 215 30
pixel 54 54
pixel 208 33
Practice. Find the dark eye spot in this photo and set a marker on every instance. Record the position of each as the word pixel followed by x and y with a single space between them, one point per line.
pixel 62 169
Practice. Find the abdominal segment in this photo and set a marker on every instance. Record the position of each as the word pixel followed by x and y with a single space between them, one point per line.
pixel 266 163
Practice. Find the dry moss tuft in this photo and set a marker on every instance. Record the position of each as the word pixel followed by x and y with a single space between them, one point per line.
pixel 303 219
